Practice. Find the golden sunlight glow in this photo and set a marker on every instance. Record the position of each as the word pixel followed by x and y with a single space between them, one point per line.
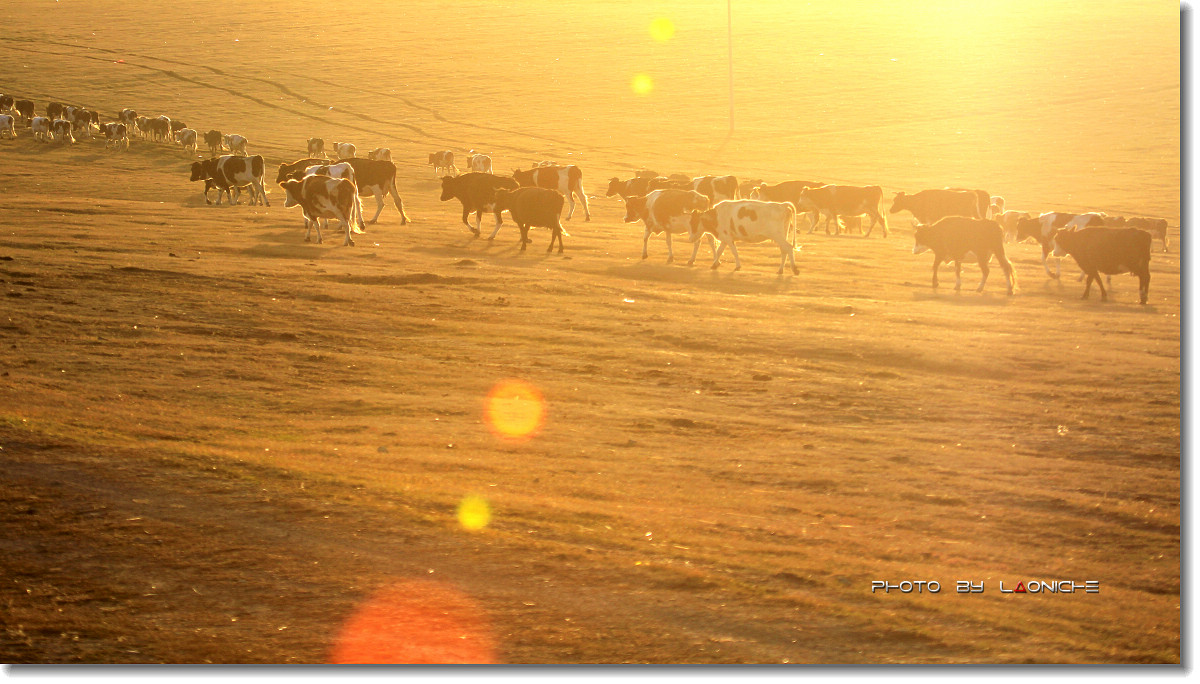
pixel 514 410
pixel 418 623
pixel 474 513
pixel 642 84
pixel 662 29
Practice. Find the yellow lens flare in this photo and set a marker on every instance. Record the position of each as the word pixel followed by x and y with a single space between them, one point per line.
pixel 662 29
pixel 642 84
pixel 474 513
pixel 514 410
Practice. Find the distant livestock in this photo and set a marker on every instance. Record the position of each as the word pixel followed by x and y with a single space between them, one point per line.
pixel 236 144
pixel 716 188
pixel 477 193
pixel 931 206
pixel 54 110
pixel 377 178
pixel 955 238
pixel 567 180
pixel 1042 229
pixel 116 136
pixel 634 187
pixel 24 109
pixel 40 126
pixel 1008 221
pixel 296 169
pixel 321 197
pixel 129 118
pixel 835 201
pixel 187 138
pixel 735 221
pixel 215 142
pixel 228 172
pixel 1110 251
pixel 668 211
pixel 380 154
pixel 344 150
pixel 62 131
pixel 530 206
pixel 480 163
pixel 316 147
pixel 6 102
pixel 8 126
pixel 787 191
pixel 443 163
pixel 1157 228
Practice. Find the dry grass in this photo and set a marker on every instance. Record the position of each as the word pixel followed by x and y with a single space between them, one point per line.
pixel 218 440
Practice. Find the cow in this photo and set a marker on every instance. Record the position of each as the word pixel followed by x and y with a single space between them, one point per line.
pixel 296 169
pixel 8 126
pixel 787 191
pixel 645 173
pixel 377 178
pixel 533 206
pixel 545 162
pixel 668 211
pixel 477 192
pixel 380 154
pixel 567 180
pixel 81 123
pixel 443 162
pixel 1157 228
pixel 6 102
pixel 235 143
pixel 142 123
pixel 956 238
pixel 996 208
pixel 338 170
pixel 344 150
pixel 316 147
pixel 1008 221
pixel 62 131
pixel 716 188
pixel 1110 251
pixel 24 109
pixel 634 187
pixel 129 118
pixel 159 129
pixel 480 163
pixel 40 126
pixel 177 126
pixel 322 197
pixel 186 137
pixel 983 200
pixel 931 206
pixel 843 200
pixel 746 187
pixel 54 110
pixel 1042 229
pixel 748 221
pixel 231 171
pixel 215 142
pixel 116 135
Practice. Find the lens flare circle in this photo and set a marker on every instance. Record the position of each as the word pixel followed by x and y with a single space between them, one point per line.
pixel 514 410
pixel 474 513
pixel 415 623
pixel 642 84
pixel 662 29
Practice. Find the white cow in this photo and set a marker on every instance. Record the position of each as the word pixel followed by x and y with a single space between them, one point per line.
pixel 480 163
pixel 40 126
pixel 235 144
pixel 380 154
pixel 344 150
pixel 748 221
pixel 8 126
pixel 188 138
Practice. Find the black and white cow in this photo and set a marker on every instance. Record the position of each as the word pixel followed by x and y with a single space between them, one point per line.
pixel 231 171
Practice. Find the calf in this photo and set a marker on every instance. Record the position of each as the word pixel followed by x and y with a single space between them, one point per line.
pixel 1157 228
pixel 930 206
pixel 1110 251
pixel 235 143
pixel 215 142
pixel 316 147
pixel 40 126
pixel 8 126
pixel 230 171
pixel 344 150
pixel 955 238
pixel 380 154
pixel 748 221
pixel 668 211
pixel 567 180
pixel 321 197
pixel 477 193
pixel 533 207
pixel 62 131
pixel 716 188
pixel 443 163
pixel 843 200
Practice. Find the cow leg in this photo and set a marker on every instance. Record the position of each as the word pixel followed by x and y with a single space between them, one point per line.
pixel 1144 284
pixel 1103 292
pixel 984 269
pixel 467 220
pixel 1045 265
pixel 737 261
pixel 378 207
pixel 670 251
pixel 262 193
pixel 786 251
pixel 936 262
pixel 1087 289
pixel 497 229
pixel 717 255
pixel 587 213
pixel 646 243
pixel 524 235
pixel 957 275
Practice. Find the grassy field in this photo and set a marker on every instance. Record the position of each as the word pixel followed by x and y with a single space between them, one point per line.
pixel 220 443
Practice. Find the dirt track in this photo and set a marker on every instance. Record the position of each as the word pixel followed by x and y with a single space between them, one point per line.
pixel 219 441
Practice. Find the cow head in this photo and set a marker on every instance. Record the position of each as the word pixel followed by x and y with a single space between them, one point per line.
pixel 1063 241
pixel 635 208
pixel 1029 228
pixel 433 157
pixel 921 239
pixel 524 177
pixel 615 185
pixel 198 171
pixel 503 200
pixel 899 204
pixel 696 202
pixel 702 222
pixel 291 192
pixel 449 187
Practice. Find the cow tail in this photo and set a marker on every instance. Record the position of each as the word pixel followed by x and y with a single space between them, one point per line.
pixel 1005 264
pixel 399 203
pixel 358 226
pixel 792 224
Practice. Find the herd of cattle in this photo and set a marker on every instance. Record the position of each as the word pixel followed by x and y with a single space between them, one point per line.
pixel 956 224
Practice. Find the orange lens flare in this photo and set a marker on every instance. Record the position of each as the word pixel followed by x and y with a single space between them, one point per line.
pixel 514 410
pixel 418 623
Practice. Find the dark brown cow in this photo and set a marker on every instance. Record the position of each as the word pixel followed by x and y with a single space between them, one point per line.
pixel 567 180
pixel 930 206
pixel 215 141
pixel 1042 229
pixel 6 102
pixel 843 200
pixel 377 178
pixel 24 108
pixel 55 110
pixel 534 207
pixel 954 238
pixel 1109 251
pixel 477 192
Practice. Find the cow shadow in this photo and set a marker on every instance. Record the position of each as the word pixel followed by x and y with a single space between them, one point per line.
pixel 963 297
pixel 307 251
pixel 723 279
